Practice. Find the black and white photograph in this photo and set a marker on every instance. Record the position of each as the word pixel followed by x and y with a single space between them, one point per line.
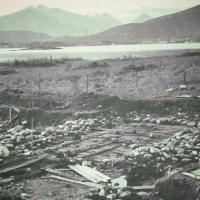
pixel 99 100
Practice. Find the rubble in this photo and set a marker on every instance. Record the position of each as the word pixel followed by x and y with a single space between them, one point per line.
pixel 178 119
pixel 143 162
pixel 155 160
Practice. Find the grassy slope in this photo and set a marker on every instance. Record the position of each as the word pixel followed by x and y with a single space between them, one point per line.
pixel 117 78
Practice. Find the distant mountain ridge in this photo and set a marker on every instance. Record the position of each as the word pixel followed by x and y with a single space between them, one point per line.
pixel 142 18
pixel 56 22
pixel 180 26
pixel 22 37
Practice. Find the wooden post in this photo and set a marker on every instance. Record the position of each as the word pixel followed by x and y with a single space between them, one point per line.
pixel 30 106
pixel 87 84
pixel 10 116
pixel 32 126
pixel 185 77
pixel 39 85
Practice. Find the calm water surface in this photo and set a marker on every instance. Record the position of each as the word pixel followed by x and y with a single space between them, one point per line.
pixel 93 52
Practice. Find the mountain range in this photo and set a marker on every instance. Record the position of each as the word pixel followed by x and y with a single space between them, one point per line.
pixel 142 18
pixel 61 27
pixel 22 37
pixel 180 26
pixel 56 22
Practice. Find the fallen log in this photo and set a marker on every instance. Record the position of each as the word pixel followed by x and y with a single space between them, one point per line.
pixel 89 184
pixel 24 164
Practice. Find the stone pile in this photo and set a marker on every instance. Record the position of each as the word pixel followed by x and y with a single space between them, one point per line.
pixel 23 141
pixel 178 119
pixel 181 149
pixel 111 193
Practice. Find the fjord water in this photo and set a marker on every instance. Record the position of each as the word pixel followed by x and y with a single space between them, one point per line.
pixel 93 52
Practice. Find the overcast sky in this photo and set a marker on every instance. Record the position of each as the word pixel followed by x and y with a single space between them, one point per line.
pixel 122 9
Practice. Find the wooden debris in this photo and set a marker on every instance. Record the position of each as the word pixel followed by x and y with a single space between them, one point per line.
pixel 89 154
pixel 82 172
pixel 99 175
pixel 20 177
pixel 143 187
pixel 55 171
pixel 89 173
pixel 7 180
pixel 194 174
pixel 89 184
pixel 24 164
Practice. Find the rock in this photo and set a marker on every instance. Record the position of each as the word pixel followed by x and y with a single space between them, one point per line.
pixel 153 121
pixel 19 139
pixel 10 146
pixel 102 192
pixel 28 153
pixel 186 160
pixel 4 152
pixel 125 194
pixel 142 194
pixel 111 196
pixel 24 122
pixel 25 195
pixel 192 124
pixel 99 107
pixel 137 119
pixel 146 120
pixel 133 146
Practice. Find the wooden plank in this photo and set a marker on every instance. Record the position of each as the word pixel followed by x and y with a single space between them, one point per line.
pixel 98 174
pixel 24 164
pixel 196 172
pixel 91 174
pixel 88 174
pixel 85 174
pixel 56 172
pixel 21 177
pixel 99 152
pixel 89 184
pixel 191 175
pixel 7 180
pixel 143 187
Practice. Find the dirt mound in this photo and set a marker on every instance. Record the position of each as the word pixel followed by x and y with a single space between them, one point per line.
pixel 162 107
pixel 177 187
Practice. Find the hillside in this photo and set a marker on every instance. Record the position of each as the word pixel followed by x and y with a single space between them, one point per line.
pixel 22 37
pixel 56 22
pixel 180 26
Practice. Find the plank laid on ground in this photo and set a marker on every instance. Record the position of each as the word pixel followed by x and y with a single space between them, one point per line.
pixel 193 174
pixel 94 147
pixel 98 174
pixel 90 154
pixel 7 180
pixel 143 187
pixel 24 164
pixel 196 172
pixel 83 173
pixel 55 171
pixel 74 181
